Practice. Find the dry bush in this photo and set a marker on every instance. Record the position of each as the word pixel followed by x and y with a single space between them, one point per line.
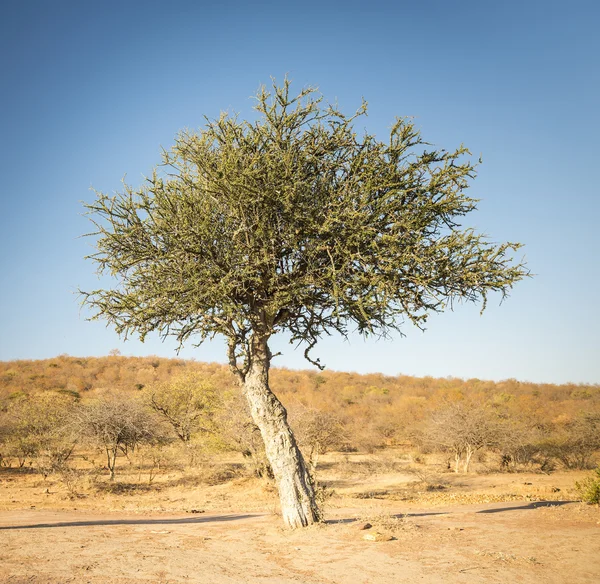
pixel 538 427
pixel 239 433
pixel 520 443
pixel 383 463
pixel 42 432
pixel 576 442
pixel 211 472
pixel 317 432
pixel 428 480
pixel 116 426
pixel 4 440
pixel 154 456
pixel 461 429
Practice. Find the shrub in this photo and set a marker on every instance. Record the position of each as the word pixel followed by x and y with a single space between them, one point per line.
pixel 576 443
pixel 461 429
pixel 41 431
pixel 239 433
pixel 188 402
pixel 589 488
pixel 117 425
pixel 316 431
pixel 520 442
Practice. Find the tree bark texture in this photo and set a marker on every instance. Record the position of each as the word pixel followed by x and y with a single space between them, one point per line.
pixel 296 493
pixel 456 461
pixel 468 456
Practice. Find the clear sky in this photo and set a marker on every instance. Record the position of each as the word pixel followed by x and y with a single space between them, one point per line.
pixel 90 91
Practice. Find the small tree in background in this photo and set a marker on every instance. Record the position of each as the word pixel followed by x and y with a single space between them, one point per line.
pixel 42 431
pixel 462 429
pixel 5 428
pixel 317 432
pixel 187 402
pixel 520 441
pixel 292 223
pixel 577 441
pixel 240 434
pixel 116 425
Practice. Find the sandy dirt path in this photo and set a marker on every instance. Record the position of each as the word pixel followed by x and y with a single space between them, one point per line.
pixel 528 543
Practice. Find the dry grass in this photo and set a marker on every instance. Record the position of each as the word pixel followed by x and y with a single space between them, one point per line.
pixel 226 482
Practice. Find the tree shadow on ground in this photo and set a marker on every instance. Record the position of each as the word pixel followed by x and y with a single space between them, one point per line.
pixel 397 515
pixel 532 505
pixel 16 470
pixel 338 483
pixel 108 522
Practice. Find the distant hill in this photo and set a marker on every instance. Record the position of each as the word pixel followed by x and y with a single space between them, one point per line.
pixel 380 408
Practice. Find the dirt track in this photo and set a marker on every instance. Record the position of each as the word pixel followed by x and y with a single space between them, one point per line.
pixel 529 543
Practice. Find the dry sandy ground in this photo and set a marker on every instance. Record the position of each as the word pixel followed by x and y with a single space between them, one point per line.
pixel 511 542
pixel 487 527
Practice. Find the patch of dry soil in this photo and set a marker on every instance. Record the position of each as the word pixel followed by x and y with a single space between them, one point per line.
pixel 511 542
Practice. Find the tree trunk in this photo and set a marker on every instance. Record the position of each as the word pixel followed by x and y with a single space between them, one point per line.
pixel 296 493
pixel 111 456
pixel 456 461
pixel 313 460
pixel 468 456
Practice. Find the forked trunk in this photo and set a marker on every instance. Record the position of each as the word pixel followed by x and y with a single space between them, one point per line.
pixel 296 493
pixel 456 461
pixel 468 457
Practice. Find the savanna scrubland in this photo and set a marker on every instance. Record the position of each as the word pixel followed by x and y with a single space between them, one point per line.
pixel 159 458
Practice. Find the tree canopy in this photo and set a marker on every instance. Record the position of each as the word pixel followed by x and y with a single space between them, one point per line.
pixel 293 222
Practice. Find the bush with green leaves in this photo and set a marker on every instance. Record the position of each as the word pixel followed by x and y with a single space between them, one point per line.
pixel 589 488
pixel 188 403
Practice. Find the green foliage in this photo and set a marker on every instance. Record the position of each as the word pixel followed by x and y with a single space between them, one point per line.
pixel 293 222
pixel 188 402
pixel 70 393
pixel 589 488
pixel 581 394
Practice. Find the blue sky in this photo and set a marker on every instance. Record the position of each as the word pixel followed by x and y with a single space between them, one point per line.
pixel 91 91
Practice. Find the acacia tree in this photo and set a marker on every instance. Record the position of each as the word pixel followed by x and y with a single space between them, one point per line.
pixel 187 402
pixel 116 425
pixel 462 429
pixel 292 222
pixel 317 432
